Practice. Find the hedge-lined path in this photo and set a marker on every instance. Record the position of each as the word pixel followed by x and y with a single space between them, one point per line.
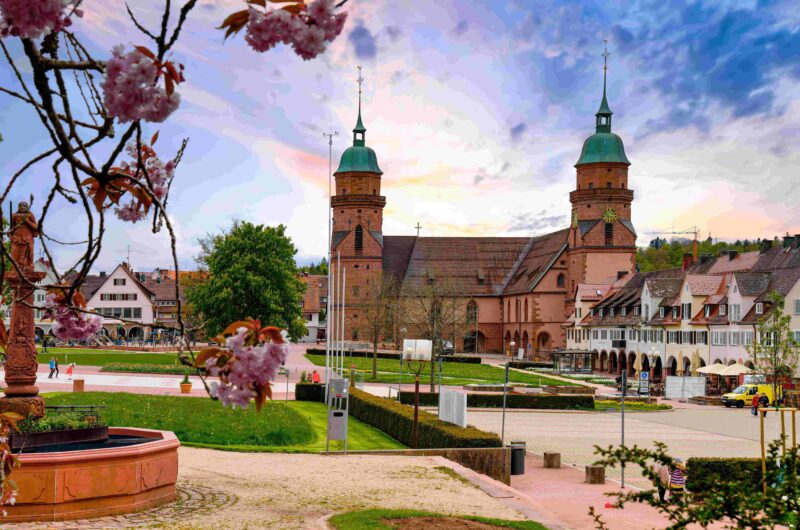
pixel 687 432
pixel 285 491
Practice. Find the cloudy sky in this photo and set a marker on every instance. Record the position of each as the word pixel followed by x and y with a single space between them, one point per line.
pixel 477 111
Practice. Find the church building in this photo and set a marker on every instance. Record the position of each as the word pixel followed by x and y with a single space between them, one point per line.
pixel 514 289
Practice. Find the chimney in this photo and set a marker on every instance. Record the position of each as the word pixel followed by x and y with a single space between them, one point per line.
pixel 621 274
pixel 687 261
pixel 705 258
pixel 787 241
pixel 766 244
pixel 732 254
pixel 102 274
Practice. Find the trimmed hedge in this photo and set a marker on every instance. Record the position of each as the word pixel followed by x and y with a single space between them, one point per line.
pixel 133 368
pixel 513 401
pixel 703 473
pixel 396 356
pixel 397 421
pixel 309 392
pixel 524 365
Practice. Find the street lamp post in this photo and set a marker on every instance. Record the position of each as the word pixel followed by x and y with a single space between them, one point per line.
pixel 417 352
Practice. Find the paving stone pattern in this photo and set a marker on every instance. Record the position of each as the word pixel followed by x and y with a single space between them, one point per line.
pixel 193 501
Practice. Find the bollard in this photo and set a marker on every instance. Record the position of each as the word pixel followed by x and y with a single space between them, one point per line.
pixel 552 460
pixel 595 474
pixel 77 385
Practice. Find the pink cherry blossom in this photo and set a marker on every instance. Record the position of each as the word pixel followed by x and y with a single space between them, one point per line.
pixel 307 34
pixel 131 90
pixel 69 323
pixel 249 367
pixel 31 19
pixel 158 173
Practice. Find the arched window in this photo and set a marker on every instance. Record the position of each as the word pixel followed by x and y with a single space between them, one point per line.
pixel 359 240
pixel 608 184
pixel 609 234
pixel 508 311
pixel 525 314
pixel 561 281
pixel 472 312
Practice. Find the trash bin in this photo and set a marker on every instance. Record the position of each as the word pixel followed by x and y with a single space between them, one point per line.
pixel 518 452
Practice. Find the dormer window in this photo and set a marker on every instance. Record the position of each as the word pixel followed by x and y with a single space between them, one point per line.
pixel 759 308
pixel 601 311
pixel 723 309
pixel 707 311
pixel 623 311
pixel 611 312
pixel 661 312
pixel 636 311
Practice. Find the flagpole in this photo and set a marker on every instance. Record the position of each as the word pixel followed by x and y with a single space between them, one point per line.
pixel 330 136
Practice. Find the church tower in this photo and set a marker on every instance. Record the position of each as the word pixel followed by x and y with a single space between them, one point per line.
pixel 357 227
pixel 601 240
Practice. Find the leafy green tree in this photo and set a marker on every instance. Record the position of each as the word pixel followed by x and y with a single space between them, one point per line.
pixel 251 273
pixel 320 268
pixel 774 351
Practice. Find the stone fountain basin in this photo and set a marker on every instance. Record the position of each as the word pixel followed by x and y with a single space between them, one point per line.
pixel 134 470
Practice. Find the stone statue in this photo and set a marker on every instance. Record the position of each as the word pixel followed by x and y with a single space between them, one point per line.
pixel 23 231
pixel 21 394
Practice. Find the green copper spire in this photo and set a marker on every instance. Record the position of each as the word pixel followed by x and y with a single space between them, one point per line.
pixel 360 132
pixel 359 157
pixel 604 112
pixel 603 145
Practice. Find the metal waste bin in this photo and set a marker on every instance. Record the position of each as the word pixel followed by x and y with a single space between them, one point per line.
pixel 518 452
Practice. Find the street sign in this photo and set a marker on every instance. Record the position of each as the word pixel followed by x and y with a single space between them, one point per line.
pixel 644 383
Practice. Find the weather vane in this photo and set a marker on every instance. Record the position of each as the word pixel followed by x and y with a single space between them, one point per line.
pixel 605 55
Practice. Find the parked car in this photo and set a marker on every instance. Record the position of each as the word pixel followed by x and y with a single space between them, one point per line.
pixel 743 395
pixel 445 347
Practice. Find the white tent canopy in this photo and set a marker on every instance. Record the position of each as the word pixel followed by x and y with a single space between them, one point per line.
pixel 735 369
pixel 715 368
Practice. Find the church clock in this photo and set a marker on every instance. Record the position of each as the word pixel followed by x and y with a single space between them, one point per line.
pixel 610 215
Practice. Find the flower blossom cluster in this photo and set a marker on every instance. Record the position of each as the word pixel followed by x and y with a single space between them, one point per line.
pixel 159 174
pixel 69 323
pixel 308 34
pixel 250 367
pixel 30 19
pixel 131 91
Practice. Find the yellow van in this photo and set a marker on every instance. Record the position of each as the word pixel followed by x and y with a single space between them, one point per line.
pixel 743 395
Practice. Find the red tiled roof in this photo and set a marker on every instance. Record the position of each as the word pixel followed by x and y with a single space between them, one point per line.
pixel 543 250
pixel 703 284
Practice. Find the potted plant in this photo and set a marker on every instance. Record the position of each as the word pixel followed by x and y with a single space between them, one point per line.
pixel 186 385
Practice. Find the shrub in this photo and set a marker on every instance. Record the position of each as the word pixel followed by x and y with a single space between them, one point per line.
pixel 396 356
pixel 309 392
pixel 397 421
pixel 60 421
pixel 513 401
pixel 703 473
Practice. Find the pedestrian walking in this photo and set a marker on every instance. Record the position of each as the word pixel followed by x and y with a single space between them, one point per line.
pixel 315 377
pixel 70 367
pixel 754 404
pixel 764 402
pixel 662 481
pixel 677 480
pixel 56 366
pixel 52 367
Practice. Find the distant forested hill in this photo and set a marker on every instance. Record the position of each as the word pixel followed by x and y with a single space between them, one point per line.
pixel 663 254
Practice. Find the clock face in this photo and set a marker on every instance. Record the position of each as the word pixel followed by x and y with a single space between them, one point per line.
pixel 575 218
pixel 610 215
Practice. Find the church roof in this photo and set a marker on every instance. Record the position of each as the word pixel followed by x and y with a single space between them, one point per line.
pixel 603 147
pixel 359 158
pixel 474 266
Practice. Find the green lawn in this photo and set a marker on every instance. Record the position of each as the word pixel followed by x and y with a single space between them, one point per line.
pixel 104 357
pixel 293 426
pixel 452 373
pixel 376 520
